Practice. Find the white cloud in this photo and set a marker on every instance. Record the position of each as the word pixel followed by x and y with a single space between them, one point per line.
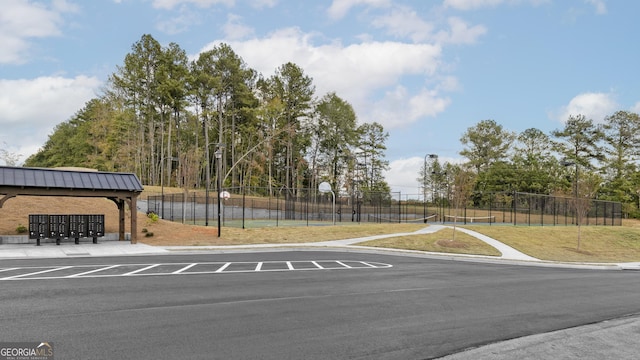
pixel 405 22
pixel 399 108
pixel 403 175
pixel 170 4
pixel 599 5
pixel 340 8
pixel 460 32
pixel 21 21
pixel 32 108
pixel 471 4
pixel 359 73
pixel 595 106
pixel 179 22
pixel 477 4
pixel 261 4
pixel 449 84
pixel 234 29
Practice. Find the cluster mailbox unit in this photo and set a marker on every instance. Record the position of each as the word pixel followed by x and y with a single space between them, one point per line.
pixel 59 227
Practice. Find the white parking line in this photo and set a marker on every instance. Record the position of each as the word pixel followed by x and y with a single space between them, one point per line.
pixel 366 263
pixel 93 271
pixel 141 270
pixel 36 273
pixel 221 269
pixel 97 271
pixel 185 268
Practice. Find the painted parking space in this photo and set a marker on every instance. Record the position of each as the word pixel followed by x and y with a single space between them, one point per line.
pixel 124 270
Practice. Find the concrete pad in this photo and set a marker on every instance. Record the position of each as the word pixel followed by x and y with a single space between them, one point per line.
pixel 613 339
pixel 108 248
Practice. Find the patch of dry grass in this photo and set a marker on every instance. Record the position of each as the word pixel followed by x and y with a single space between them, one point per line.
pixel 439 241
pixel 560 243
pixel 167 233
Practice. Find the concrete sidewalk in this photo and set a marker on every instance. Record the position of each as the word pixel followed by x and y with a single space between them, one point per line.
pixel 66 249
pixel 613 339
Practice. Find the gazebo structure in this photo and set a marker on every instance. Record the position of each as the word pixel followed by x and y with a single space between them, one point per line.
pixel 121 188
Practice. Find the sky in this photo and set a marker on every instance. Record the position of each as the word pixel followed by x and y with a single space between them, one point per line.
pixel 427 70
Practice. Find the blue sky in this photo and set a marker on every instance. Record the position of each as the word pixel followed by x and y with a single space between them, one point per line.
pixel 425 69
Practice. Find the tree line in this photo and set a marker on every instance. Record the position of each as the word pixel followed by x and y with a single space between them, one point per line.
pixel 180 122
pixel 167 118
pixel 584 160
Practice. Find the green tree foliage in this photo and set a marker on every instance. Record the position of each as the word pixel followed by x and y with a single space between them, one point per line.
pixel 622 135
pixel 487 146
pixel 335 135
pixel 295 91
pixel 137 83
pixel 222 86
pixel 558 163
pixel 371 145
pixel 579 141
pixel 79 142
pixel 162 117
pixel 486 143
pixel 532 160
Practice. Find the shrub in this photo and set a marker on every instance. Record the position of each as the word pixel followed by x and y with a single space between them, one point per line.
pixel 153 216
pixel 21 229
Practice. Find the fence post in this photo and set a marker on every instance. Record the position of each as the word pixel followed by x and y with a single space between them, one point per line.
pixel 171 210
pixel 465 214
pixel 490 203
pixel 514 210
pixel 542 211
pixel 399 207
pixel 530 210
pixel 243 204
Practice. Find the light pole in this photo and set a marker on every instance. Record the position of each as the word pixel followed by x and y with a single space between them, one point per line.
pixel 424 185
pixel 172 158
pixel 208 184
pixel 566 162
pixel 218 155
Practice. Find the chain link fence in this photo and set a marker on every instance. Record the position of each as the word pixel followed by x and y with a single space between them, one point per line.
pixel 258 207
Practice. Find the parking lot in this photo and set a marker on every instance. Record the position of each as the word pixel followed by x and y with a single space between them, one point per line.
pixel 111 270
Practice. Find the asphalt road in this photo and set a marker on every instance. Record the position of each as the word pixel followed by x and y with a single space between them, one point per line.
pixel 418 308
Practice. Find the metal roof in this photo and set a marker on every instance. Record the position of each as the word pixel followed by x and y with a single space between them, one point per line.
pixel 68 179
